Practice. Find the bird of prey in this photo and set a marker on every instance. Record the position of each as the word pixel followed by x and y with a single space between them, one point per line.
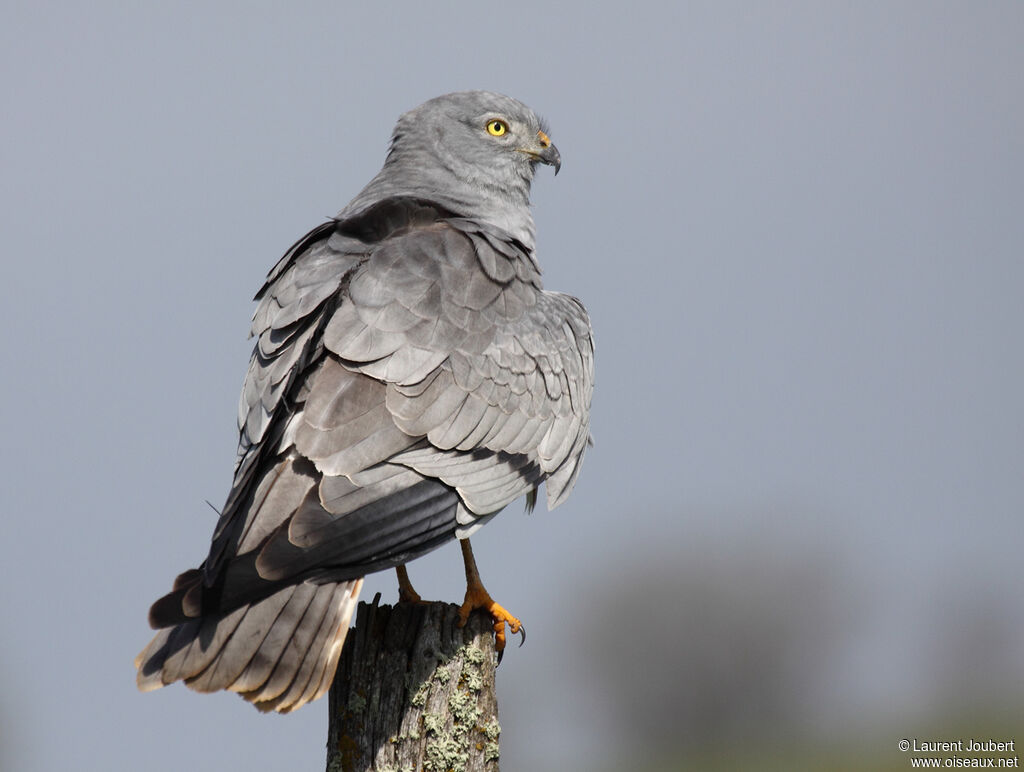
pixel 411 377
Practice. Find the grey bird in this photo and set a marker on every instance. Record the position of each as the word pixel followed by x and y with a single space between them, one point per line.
pixel 411 377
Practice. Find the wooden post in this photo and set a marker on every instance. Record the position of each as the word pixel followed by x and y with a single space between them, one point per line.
pixel 414 693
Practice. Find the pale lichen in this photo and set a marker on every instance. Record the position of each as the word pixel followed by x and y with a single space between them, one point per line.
pixel 433 722
pixel 472 675
pixel 420 698
pixel 473 680
pixel 446 753
pixel 491 729
pixel 464 709
pixel 491 751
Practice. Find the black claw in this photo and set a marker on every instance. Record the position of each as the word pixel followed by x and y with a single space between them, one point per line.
pixel 522 640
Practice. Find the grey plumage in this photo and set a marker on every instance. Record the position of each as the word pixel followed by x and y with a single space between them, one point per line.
pixel 410 378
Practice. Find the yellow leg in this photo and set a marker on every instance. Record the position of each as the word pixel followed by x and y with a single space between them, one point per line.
pixel 478 598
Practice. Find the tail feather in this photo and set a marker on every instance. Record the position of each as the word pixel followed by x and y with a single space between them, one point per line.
pixel 304 683
pixel 195 646
pixel 279 652
pixel 289 663
pixel 237 652
pixel 270 652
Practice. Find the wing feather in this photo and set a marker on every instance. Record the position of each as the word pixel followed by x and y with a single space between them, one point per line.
pixel 500 363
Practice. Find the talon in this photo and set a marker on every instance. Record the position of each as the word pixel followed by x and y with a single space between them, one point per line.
pixel 522 639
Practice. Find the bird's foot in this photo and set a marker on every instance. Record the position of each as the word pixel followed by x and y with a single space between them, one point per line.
pixel 406 592
pixel 411 596
pixel 478 598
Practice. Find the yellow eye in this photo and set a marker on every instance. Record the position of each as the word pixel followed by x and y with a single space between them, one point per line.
pixel 497 128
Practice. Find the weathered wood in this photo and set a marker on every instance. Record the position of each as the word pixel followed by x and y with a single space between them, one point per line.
pixel 414 692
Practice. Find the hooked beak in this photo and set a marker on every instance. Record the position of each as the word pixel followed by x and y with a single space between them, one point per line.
pixel 548 153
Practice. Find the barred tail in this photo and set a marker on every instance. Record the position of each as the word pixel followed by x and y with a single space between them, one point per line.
pixel 279 653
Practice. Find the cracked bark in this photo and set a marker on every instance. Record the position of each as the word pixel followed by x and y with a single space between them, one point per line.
pixel 414 692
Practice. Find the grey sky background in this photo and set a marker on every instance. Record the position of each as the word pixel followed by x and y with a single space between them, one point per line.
pixel 798 228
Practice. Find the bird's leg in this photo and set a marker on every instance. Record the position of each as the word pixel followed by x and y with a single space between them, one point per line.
pixel 478 597
pixel 406 592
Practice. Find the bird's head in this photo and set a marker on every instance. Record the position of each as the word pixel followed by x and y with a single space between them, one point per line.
pixel 486 134
pixel 475 152
pixel 480 137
